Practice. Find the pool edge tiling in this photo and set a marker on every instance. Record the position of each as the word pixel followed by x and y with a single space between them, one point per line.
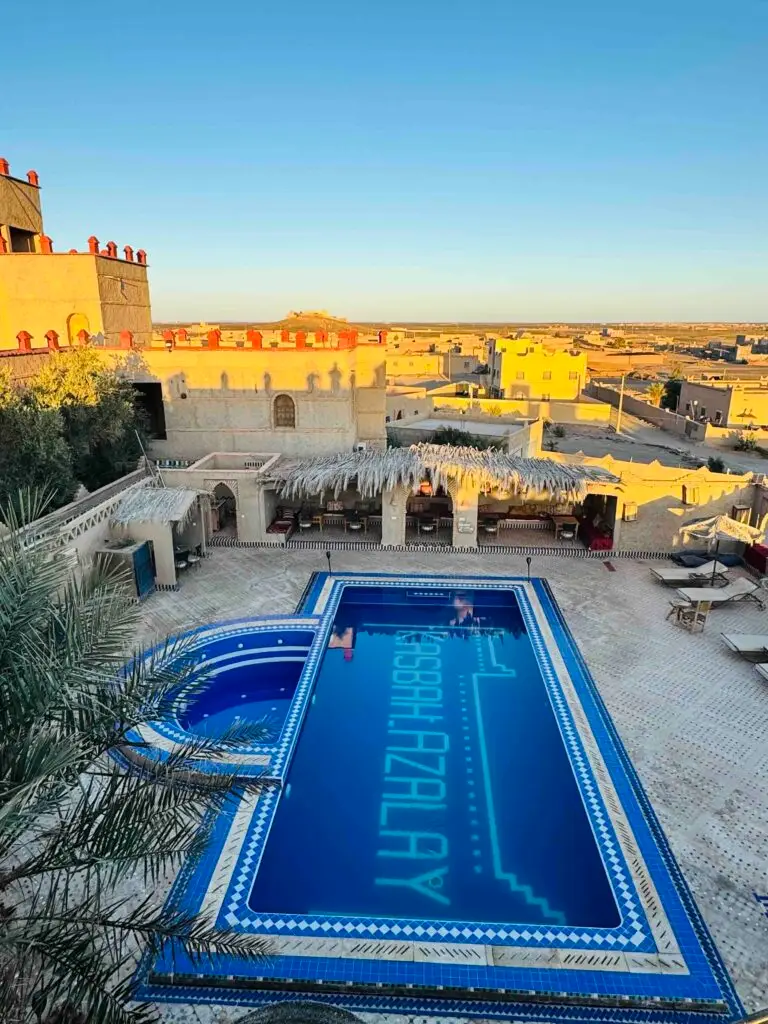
pixel 660 958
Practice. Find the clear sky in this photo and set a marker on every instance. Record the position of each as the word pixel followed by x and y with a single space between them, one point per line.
pixel 422 159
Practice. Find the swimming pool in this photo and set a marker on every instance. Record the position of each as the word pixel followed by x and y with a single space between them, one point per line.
pixel 450 824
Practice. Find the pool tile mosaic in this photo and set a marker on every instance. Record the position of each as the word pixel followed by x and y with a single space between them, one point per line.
pixel 660 954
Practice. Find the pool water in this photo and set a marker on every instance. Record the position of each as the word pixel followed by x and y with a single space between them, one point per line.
pixel 430 780
pixel 252 678
pixel 248 695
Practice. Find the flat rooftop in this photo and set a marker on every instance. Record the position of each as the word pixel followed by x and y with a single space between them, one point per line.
pixel 479 427
pixel 693 716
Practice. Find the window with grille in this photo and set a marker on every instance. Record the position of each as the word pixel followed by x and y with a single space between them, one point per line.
pixel 285 411
pixel 520 375
pixel 547 375
pixel 572 375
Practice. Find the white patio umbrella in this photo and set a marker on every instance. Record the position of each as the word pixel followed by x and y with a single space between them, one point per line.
pixel 717 528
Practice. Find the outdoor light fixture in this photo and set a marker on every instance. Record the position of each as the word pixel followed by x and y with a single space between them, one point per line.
pixel 328 556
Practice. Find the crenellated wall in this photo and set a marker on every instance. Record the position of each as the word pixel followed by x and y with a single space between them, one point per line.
pixel 71 292
pixel 224 400
pixel 49 299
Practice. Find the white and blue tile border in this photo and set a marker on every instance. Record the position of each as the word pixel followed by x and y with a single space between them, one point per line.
pixel 660 952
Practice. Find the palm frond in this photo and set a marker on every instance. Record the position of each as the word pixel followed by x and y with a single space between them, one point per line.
pixel 74 823
pixel 373 471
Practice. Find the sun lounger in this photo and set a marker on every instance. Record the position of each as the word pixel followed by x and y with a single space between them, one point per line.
pixel 763 670
pixel 740 589
pixel 679 576
pixel 753 646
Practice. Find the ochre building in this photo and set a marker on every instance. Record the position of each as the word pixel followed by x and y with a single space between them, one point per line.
pixel 51 298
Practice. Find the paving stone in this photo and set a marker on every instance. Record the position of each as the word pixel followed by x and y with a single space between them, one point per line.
pixel 693 716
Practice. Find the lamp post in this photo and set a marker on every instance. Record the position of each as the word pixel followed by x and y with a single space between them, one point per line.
pixel 328 556
pixel 528 560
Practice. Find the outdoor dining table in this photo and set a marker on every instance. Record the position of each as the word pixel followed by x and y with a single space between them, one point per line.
pixel 561 521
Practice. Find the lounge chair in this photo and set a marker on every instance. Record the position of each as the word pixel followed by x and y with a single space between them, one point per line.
pixel 763 670
pixel 740 589
pixel 698 575
pixel 752 646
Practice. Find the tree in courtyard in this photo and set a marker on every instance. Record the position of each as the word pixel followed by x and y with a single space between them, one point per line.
pixel 461 438
pixel 81 835
pixel 33 452
pixel 656 393
pixel 99 413
pixel 671 396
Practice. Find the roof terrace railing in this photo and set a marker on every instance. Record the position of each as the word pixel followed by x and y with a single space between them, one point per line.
pixel 53 522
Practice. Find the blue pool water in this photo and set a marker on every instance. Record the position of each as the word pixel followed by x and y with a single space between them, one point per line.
pixel 430 780
pixel 252 677
pixel 448 823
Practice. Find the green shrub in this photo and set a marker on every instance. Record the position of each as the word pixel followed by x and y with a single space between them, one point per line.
pixel 745 443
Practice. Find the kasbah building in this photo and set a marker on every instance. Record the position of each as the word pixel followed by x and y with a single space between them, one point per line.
pixel 311 385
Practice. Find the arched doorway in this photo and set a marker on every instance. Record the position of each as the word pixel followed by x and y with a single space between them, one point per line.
pixel 77 322
pixel 224 511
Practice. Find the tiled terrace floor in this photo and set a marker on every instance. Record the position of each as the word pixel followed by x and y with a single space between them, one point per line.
pixel 693 716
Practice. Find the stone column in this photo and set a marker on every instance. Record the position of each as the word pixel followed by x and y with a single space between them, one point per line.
pixel 464 515
pixel 393 516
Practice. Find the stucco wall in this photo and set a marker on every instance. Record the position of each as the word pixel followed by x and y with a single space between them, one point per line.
pixel 738 406
pixel 161 536
pixel 413 364
pixel 583 411
pixel 39 292
pixel 20 205
pixel 660 517
pixel 665 419
pixel 224 400
pixel 658 492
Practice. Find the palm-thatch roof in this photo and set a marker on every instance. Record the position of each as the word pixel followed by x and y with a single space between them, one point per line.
pixel 375 470
pixel 722 527
pixel 155 505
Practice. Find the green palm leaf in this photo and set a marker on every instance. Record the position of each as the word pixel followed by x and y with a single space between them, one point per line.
pixel 74 822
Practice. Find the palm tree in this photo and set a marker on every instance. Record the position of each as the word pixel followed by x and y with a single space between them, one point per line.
pixel 80 834
pixel 656 393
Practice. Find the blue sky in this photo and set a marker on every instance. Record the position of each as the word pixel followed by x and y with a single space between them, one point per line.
pixel 427 159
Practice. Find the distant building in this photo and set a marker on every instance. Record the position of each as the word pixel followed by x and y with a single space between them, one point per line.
pixel 523 369
pixel 50 299
pixel 734 404
pixel 737 351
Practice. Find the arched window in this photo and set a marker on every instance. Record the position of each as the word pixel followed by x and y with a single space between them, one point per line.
pixel 285 411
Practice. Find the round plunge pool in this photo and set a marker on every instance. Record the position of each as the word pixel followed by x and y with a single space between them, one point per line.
pixel 251 675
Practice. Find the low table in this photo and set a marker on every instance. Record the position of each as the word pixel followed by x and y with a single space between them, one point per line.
pixel 561 521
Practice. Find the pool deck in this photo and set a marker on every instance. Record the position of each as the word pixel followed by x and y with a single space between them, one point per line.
pixel 693 716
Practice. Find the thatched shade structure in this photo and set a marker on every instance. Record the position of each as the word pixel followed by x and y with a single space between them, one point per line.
pixel 375 470
pixel 155 505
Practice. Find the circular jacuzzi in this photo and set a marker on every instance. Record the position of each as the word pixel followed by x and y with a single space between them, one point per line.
pixel 250 672
pixel 250 677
